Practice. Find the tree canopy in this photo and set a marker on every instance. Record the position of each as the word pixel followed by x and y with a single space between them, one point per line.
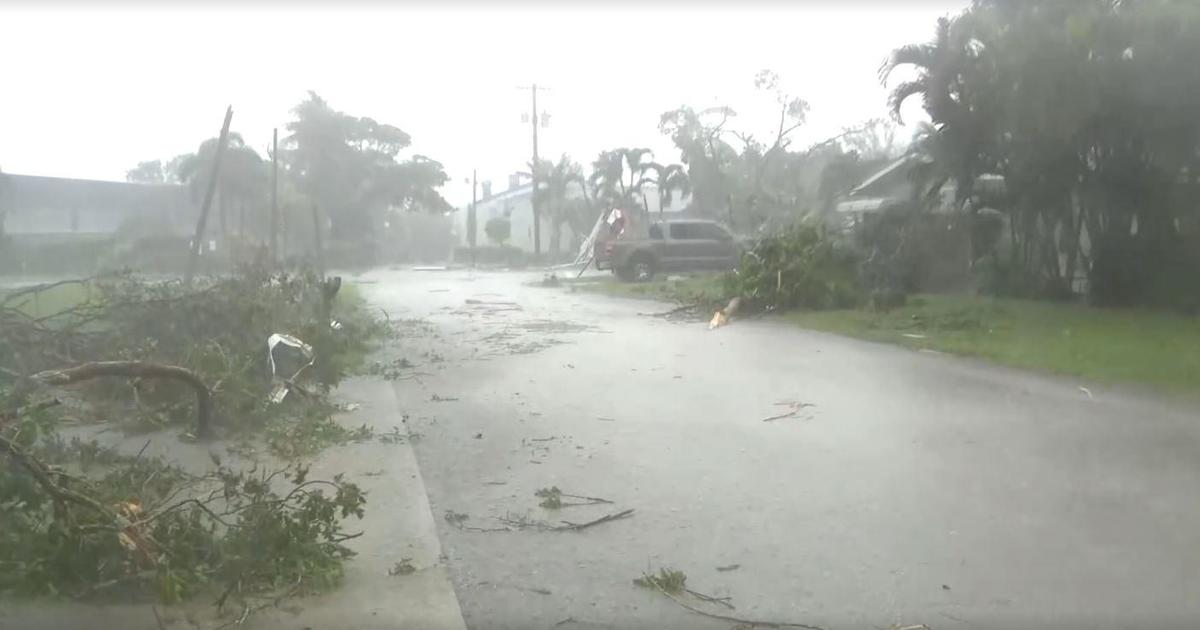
pixel 352 168
pixel 1087 109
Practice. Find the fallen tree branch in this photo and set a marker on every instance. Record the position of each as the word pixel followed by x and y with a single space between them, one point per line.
pixel 38 288
pixel 590 500
pixel 138 369
pixel 736 620
pixel 795 409
pixel 522 522
pixel 42 476
pixel 674 311
pixel 569 526
pixel 722 601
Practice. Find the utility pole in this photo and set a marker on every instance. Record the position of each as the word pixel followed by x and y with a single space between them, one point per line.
pixel 471 215
pixel 533 200
pixel 275 196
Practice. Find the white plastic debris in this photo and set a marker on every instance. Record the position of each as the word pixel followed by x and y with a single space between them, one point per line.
pixel 335 324
pixel 281 388
pixel 279 391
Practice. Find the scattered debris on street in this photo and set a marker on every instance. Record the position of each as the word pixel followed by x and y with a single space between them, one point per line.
pixel 794 408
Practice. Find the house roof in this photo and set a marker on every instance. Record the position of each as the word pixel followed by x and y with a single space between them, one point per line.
pixel 885 174
pixel 867 204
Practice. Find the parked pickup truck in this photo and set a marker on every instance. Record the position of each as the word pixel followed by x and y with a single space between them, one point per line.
pixel 681 245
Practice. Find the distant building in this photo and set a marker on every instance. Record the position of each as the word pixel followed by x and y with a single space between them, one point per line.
pixel 945 256
pixel 894 184
pixel 57 208
pixel 515 203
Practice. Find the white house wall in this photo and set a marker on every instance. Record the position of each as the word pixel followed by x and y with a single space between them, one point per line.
pixel 516 205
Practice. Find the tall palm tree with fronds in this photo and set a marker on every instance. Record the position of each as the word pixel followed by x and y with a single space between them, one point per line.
pixel 669 179
pixel 555 181
pixel 617 177
pixel 948 69
pixel 937 65
pixel 953 72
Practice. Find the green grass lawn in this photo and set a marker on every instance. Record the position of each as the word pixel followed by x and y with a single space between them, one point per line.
pixel 347 303
pixel 1111 346
pixel 50 301
pixel 1102 345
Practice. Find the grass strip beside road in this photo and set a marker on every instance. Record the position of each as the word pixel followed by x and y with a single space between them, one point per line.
pixel 1102 345
pixel 1108 346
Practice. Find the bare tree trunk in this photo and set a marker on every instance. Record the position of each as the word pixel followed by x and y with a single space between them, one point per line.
pixel 1076 216
pixel 318 255
pixel 274 196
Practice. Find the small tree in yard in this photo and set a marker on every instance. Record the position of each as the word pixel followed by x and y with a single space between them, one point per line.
pixel 498 229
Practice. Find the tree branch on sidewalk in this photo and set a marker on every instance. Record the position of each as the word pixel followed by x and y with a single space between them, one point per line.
pixel 138 369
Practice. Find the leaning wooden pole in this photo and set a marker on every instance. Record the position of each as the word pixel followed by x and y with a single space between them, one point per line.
pixel 275 257
pixel 198 239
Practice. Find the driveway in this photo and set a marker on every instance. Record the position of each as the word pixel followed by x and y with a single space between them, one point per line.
pixel 901 487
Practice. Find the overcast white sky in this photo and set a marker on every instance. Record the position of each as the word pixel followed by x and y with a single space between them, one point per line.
pixel 90 91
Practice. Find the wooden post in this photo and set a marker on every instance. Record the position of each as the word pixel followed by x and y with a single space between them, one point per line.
pixel 471 218
pixel 198 238
pixel 274 196
pixel 319 256
pixel 534 202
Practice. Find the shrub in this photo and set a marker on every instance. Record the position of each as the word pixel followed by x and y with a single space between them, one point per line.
pixel 800 267
pixel 498 230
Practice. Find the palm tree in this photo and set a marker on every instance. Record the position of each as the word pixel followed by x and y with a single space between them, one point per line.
pixel 669 180
pixel 609 173
pixel 947 68
pixel 950 79
pixel 553 194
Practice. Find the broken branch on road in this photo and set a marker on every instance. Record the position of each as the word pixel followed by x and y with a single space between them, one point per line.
pixel 793 409
pixel 671 583
pixel 722 601
pixel 519 523
pixel 569 526
pixel 552 499
pixel 686 308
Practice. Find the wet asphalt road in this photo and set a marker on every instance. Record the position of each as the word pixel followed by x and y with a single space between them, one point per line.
pixel 916 488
